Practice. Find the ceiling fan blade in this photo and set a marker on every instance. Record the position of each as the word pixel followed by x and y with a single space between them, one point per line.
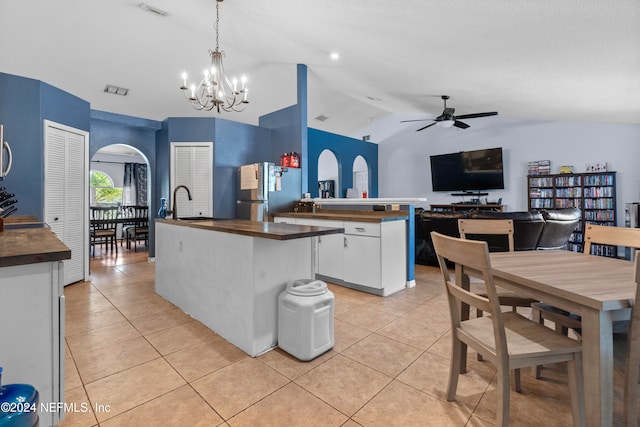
pixel 460 125
pixel 474 115
pixel 417 120
pixel 427 126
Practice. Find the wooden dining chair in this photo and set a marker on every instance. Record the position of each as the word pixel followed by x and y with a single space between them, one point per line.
pixel 103 224
pixel 626 351
pixel 479 228
pixel 508 340
pixel 593 235
pixel 140 228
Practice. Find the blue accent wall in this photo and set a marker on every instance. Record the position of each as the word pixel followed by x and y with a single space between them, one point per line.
pixel 24 104
pixel 234 144
pixel 109 128
pixel 346 150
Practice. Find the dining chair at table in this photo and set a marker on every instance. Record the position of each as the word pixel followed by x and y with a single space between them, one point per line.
pixel 140 228
pixel 127 215
pixel 479 229
pixel 103 225
pixel 593 235
pixel 626 352
pixel 506 339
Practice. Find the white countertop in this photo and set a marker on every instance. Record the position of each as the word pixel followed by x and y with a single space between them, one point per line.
pixel 368 201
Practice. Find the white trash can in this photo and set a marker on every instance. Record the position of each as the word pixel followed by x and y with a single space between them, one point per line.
pixel 305 319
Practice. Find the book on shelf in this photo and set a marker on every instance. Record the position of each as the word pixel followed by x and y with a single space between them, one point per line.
pixel 539 167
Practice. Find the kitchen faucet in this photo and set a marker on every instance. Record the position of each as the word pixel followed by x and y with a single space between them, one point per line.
pixel 174 211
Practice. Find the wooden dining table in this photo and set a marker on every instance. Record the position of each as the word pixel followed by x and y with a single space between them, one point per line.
pixel 599 289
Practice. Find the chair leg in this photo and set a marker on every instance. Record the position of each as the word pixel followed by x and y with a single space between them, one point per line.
pixel 454 368
pixel 576 390
pixel 517 386
pixel 479 314
pixel 502 409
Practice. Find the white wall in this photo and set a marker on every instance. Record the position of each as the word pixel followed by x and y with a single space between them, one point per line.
pixel 404 168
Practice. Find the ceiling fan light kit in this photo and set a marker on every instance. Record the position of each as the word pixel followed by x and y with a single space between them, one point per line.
pixel 216 90
pixel 447 119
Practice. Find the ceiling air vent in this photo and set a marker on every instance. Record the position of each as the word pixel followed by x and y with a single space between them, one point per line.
pixel 116 90
pixel 321 118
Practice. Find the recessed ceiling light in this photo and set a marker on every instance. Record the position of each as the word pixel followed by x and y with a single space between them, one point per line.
pixel 335 56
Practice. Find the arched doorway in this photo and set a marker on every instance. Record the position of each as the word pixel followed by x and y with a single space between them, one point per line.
pixel 119 178
pixel 328 175
pixel 361 176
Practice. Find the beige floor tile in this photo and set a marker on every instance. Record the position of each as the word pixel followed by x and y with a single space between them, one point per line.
pixel 345 335
pixel 181 407
pixel 128 389
pixel 430 374
pixel 93 365
pixel 199 360
pixel 82 322
pixel 396 306
pixel 289 366
pixel 71 376
pixel 238 386
pixel 102 337
pixel 383 354
pixel 179 337
pixel 142 308
pixel 344 305
pixel 410 332
pixel 88 303
pixel 290 406
pixel 166 319
pixel 81 413
pixel 343 383
pixel 367 317
pixel 542 402
pixel 401 405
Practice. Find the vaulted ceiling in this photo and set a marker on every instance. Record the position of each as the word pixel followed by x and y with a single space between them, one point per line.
pixel 544 59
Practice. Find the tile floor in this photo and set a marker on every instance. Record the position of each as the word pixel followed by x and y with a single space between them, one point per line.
pixel 142 362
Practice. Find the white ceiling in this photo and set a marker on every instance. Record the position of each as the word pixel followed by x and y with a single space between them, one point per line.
pixel 542 59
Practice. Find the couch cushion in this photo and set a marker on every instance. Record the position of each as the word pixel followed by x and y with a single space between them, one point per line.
pixel 527 227
pixel 559 224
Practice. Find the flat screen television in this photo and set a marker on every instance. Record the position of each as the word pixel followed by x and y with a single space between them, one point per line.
pixel 468 171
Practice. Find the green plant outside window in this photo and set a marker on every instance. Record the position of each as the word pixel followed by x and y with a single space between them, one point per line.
pixel 105 192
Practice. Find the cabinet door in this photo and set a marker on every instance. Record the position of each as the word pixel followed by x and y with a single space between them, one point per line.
pixel 330 259
pixel 362 259
pixel 192 165
pixel 331 255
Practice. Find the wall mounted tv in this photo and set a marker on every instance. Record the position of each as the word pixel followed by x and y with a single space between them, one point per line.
pixel 468 171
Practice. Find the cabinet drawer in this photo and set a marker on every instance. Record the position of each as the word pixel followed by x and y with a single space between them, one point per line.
pixel 362 228
pixel 319 222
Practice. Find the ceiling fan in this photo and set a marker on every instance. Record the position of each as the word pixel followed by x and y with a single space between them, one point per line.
pixel 447 119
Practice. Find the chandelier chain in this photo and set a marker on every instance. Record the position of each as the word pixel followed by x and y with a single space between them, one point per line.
pixel 217 25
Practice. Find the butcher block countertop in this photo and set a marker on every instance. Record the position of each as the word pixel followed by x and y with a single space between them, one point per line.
pixel 266 230
pixel 30 246
pixel 348 215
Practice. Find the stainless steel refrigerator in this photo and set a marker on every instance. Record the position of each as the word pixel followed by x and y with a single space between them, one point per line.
pixel 265 189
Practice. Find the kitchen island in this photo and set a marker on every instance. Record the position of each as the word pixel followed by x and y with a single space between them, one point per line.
pixel 228 274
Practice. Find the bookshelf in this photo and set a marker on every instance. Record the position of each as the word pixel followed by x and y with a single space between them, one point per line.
pixel 594 193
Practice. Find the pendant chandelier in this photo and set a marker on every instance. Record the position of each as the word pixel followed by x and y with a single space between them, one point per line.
pixel 216 90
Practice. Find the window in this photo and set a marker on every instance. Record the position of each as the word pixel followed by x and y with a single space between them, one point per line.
pixel 102 190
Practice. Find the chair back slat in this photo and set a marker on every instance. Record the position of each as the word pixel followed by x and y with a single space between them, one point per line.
pixel 468 227
pixel 613 236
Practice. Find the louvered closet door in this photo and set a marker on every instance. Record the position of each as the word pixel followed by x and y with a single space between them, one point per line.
pixel 66 182
pixel 192 166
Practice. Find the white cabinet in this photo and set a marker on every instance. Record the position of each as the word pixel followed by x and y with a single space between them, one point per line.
pixel 362 260
pixel 369 256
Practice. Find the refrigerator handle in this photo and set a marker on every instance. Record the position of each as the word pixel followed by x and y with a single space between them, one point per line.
pixel 6 172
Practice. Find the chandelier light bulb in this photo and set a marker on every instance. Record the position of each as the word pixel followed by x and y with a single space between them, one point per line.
pixel 184 80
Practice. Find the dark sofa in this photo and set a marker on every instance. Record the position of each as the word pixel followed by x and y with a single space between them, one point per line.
pixel 531 230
